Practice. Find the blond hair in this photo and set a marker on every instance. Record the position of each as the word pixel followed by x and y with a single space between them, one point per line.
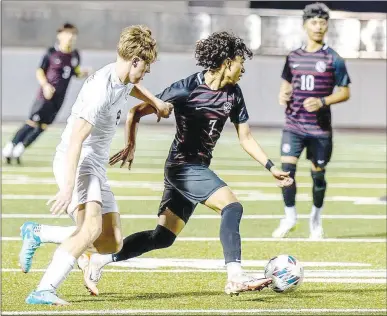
pixel 137 40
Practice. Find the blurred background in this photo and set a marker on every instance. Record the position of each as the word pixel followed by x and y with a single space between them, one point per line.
pixel 272 29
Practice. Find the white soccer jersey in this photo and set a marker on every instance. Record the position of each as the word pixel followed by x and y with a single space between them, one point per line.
pixel 101 102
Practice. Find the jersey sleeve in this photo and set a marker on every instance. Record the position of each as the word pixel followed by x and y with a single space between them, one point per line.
pixel 286 72
pixel 93 100
pixel 45 61
pixel 239 113
pixel 341 75
pixel 179 91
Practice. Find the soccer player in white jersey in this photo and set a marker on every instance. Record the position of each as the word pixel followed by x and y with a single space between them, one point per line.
pixel 82 155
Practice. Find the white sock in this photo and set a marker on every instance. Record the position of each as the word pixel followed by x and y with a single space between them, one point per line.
pixel 315 216
pixel 18 150
pixel 58 270
pixel 54 234
pixel 233 269
pixel 105 259
pixel 291 214
pixel 7 150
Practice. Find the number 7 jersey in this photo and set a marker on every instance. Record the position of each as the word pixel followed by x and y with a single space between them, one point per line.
pixel 312 75
pixel 201 114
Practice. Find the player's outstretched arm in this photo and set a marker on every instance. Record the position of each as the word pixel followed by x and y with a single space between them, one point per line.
pixel 81 130
pixel 141 93
pixel 126 155
pixel 250 145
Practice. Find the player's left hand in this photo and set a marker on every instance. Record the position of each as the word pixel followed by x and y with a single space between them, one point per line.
pixel 126 155
pixel 61 201
pixel 312 104
pixel 282 176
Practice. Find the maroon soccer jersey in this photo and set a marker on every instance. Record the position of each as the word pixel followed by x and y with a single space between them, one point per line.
pixel 312 75
pixel 59 67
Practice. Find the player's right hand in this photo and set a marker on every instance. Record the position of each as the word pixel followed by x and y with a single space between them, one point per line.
pixel 48 91
pixel 62 201
pixel 163 109
pixel 284 97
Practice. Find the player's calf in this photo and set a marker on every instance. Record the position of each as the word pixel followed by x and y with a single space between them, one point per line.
pixel 319 189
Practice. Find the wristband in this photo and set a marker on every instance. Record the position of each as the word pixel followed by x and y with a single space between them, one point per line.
pixel 324 104
pixel 269 164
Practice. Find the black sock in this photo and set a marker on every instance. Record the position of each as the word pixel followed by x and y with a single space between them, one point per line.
pixel 22 133
pixel 229 232
pixel 32 136
pixel 142 242
pixel 289 193
pixel 319 187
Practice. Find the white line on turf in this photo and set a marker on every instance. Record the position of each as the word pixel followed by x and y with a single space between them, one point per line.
pixel 371 276
pixel 247 239
pixel 12 179
pixel 257 196
pixel 153 216
pixel 220 172
pixel 317 311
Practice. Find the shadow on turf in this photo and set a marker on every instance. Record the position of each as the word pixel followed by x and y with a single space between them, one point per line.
pixel 113 297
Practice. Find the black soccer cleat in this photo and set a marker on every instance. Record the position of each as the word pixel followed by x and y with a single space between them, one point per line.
pixel 8 160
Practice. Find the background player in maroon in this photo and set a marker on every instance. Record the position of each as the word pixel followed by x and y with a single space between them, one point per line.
pixel 58 65
pixel 309 77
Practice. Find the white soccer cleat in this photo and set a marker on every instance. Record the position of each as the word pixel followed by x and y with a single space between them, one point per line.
pixel 285 227
pixel 93 273
pixel 316 233
pixel 18 150
pixel 243 283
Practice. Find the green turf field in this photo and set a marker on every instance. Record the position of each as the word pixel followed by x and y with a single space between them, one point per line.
pixel 344 274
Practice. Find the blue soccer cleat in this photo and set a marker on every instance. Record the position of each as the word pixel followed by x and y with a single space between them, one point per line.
pixel 31 242
pixel 45 298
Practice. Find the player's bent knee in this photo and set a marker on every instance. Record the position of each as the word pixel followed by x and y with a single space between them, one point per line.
pixel 319 181
pixel 163 237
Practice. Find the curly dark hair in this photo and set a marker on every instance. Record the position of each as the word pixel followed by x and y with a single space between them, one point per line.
pixel 317 9
pixel 216 48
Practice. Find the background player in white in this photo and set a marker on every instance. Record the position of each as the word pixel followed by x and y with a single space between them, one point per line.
pixel 82 155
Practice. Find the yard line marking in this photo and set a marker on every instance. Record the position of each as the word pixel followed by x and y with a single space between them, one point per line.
pixel 159 186
pixel 220 172
pixel 250 197
pixel 317 311
pixel 153 216
pixel 255 239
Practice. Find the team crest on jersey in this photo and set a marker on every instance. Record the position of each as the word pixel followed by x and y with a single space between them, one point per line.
pixel 321 66
pixel 57 61
pixel 74 61
pixel 227 107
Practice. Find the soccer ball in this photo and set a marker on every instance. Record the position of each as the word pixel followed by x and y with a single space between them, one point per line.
pixel 286 272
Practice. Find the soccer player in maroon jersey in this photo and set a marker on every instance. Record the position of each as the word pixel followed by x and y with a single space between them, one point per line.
pixel 307 90
pixel 58 65
pixel 203 102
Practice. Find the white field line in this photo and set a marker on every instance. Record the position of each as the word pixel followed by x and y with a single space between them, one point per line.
pixel 248 163
pixel 257 196
pixel 150 216
pixel 12 179
pixel 317 311
pixel 258 239
pixel 220 172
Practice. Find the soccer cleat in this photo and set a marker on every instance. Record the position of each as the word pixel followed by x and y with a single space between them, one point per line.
pixel 31 242
pixel 8 160
pixel 244 283
pixel 316 233
pixel 18 161
pixel 45 298
pixel 92 274
pixel 286 226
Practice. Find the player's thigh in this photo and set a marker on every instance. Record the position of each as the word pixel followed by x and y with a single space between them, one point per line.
pixel 175 210
pixel 292 146
pixel 319 152
pixel 220 199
